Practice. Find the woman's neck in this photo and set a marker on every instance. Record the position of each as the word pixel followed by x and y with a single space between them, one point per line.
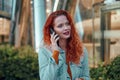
pixel 62 44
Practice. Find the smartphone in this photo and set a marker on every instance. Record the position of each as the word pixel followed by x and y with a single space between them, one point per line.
pixel 51 32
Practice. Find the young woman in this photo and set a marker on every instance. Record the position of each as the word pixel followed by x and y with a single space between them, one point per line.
pixel 62 57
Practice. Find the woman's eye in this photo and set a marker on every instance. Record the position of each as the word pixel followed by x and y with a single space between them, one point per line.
pixel 60 25
pixel 67 23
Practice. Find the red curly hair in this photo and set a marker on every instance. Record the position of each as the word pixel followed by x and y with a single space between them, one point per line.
pixel 74 44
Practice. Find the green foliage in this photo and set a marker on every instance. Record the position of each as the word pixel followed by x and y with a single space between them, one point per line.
pixel 18 64
pixel 108 72
pixel 98 73
pixel 113 70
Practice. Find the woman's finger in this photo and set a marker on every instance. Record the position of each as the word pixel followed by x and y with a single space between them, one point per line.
pixel 55 36
pixel 52 35
pixel 57 39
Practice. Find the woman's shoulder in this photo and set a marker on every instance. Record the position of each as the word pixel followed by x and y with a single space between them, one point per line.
pixel 44 48
pixel 85 50
pixel 84 55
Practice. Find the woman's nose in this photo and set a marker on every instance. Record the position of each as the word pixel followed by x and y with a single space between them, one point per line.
pixel 65 27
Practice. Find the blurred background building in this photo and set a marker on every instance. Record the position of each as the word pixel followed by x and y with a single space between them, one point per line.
pixel 97 22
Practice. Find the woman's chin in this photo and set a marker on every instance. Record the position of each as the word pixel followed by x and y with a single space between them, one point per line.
pixel 66 37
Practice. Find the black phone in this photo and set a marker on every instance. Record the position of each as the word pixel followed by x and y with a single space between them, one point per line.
pixel 51 32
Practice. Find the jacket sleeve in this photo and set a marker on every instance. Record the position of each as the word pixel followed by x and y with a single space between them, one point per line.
pixel 85 70
pixel 47 65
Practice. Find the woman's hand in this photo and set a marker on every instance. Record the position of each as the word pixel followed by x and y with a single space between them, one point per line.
pixel 54 38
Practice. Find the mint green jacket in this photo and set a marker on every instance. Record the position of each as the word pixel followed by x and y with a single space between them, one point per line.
pixel 49 70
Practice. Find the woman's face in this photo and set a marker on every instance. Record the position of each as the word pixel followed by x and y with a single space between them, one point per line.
pixel 62 27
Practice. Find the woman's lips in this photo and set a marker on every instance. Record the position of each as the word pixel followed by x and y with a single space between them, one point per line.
pixel 66 33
